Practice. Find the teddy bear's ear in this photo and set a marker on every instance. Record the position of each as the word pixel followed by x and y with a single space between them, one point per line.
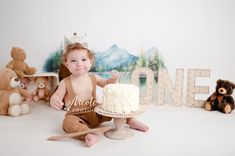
pixel 33 79
pixel 218 81
pixel 46 77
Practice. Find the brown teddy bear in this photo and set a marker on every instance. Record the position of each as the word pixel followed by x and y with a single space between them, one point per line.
pixel 41 92
pixel 17 63
pixel 24 83
pixel 221 99
pixel 11 96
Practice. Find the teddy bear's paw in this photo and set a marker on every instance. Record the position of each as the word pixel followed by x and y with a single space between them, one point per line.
pixel 47 99
pixel 208 106
pixel 24 108
pixel 20 74
pixel 227 109
pixel 31 71
pixel 35 98
pixel 14 110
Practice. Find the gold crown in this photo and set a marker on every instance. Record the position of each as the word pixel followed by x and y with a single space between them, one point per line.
pixel 76 39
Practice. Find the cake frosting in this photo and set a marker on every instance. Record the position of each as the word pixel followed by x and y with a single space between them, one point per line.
pixel 120 98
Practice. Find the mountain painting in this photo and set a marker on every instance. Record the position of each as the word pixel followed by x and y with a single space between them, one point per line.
pixel 115 58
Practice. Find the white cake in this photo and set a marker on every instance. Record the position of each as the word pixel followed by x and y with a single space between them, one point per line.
pixel 120 98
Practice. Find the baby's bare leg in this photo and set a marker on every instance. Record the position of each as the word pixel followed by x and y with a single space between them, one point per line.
pixel 91 139
pixel 135 124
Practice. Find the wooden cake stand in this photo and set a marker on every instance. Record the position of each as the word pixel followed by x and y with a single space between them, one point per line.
pixel 120 132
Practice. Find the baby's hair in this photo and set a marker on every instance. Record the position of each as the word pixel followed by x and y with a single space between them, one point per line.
pixel 76 46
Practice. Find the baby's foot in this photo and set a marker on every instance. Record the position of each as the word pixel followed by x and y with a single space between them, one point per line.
pixel 91 139
pixel 135 124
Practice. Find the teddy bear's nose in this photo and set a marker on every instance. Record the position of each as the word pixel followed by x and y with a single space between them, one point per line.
pixel 17 79
pixel 222 91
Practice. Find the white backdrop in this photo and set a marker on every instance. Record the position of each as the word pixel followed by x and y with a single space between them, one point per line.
pixel 188 33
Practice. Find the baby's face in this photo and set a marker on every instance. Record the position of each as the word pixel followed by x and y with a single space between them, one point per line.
pixel 78 62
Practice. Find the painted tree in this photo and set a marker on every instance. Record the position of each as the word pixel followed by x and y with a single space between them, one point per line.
pixel 141 61
pixel 53 62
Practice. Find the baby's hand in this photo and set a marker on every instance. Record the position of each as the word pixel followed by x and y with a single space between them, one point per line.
pixel 114 77
pixel 56 102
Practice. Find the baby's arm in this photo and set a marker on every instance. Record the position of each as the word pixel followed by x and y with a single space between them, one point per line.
pixel 103 82
pixel 56 99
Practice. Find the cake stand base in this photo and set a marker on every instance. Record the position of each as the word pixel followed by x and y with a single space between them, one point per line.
pixel 119 132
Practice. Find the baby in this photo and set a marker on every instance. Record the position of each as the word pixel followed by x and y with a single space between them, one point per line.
pixel 82 86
